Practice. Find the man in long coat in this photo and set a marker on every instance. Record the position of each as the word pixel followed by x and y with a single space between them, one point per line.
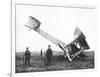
pixel 48 55
pixel 27 56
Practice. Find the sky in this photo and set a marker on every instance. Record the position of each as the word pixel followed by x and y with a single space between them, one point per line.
pixel 60 22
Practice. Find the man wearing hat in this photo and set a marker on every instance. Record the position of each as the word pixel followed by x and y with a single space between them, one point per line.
pixel 27 56
pixel 48 55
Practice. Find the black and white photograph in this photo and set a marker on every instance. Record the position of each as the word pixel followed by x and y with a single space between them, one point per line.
pixel 54 38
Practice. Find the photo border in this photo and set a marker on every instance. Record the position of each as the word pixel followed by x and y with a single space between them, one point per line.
pixel 13 33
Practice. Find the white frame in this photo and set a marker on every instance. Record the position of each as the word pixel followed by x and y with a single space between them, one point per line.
pixel 13 37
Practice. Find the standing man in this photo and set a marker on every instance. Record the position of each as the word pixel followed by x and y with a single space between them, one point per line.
pixel 48 55
pixel 27 56
pixel 41 53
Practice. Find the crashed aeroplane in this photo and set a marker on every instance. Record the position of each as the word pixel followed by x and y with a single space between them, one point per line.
pixel 70 50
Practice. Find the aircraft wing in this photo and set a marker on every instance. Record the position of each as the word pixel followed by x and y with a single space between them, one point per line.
pixel 66 52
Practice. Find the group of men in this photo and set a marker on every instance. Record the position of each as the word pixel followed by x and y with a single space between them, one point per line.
pixel 27 56
pixel 48 55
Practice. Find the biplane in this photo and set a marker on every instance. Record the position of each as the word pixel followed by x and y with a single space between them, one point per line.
pixel 71 50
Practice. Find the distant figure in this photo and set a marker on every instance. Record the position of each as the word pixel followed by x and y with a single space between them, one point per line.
pixel 27 56
pixel 48 55
pixel 41 53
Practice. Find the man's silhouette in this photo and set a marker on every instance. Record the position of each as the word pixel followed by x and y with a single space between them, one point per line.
pixel 27 56
pixel 41 53
pixel 48 55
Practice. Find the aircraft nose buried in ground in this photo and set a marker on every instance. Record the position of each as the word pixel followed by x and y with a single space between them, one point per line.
pixel 80 39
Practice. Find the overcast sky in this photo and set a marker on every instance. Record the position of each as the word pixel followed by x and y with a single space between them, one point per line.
pixel 57 21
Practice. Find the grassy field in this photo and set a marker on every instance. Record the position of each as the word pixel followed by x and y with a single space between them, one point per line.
pixel 58 63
